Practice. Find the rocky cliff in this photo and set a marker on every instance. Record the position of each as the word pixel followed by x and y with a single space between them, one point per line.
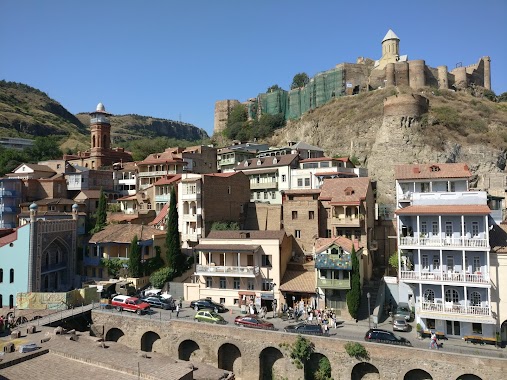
pixel 380 132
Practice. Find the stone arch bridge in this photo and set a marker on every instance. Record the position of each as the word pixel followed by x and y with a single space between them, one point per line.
pixel 260 354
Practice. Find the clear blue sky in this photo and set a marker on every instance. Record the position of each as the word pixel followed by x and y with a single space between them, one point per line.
pixel 175 59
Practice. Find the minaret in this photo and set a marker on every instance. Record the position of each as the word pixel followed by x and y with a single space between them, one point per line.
pixel 100 134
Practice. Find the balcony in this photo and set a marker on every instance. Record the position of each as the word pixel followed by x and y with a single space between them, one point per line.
pixel 264 185
pixel 190 196
pixel 462 242
pixel 227 271
pixel 328 283
pixel 190 217
pixel 156 173
pixel 439 310
pixel 347 221
pixel 335 261
pixel 460 277
pixel 91 261
pixel 4 209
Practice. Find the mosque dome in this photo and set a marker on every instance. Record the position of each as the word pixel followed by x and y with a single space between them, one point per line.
pixel 34 206
pixel 75 207
pixel 101 108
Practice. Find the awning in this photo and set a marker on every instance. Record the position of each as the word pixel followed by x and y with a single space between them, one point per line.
pixel 298 282
pixel 246 293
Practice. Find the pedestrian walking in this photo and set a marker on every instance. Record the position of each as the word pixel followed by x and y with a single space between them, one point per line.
pixel 178 310
pixel 433 343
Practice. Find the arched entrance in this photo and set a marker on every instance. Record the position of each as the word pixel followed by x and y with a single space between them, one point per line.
pixel 267 360
pixel 114 335
pixel 148 339
pixel 229 358
pixel 316 363
pixel 364 371
pixel 468 376
pixel 186 349
pixel 417 374
pixel 503 333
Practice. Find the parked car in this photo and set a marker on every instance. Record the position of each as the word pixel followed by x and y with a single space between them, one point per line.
pixel 404 310
pixel 304 328
pixel 253 321
pixel 207 304
pixel 209 316
pixel 133 304
pixel 384 336
pixel 400 323
pixel 162 303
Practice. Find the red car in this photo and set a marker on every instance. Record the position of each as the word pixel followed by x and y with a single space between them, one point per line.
pixel 253 321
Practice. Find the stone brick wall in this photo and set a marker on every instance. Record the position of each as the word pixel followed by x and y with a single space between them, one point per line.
pixel 302 214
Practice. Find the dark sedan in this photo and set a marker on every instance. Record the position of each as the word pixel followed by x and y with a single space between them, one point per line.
pixel 384 336
pixel 253 321
pixel 160 302
pixel 207 304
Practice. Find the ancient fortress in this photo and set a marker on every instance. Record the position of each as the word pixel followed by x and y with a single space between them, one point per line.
pixel 392 69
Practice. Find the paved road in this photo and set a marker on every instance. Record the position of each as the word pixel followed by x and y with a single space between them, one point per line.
pixel 347 330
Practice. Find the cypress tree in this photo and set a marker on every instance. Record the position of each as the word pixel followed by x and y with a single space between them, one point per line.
pixel 135 267
pixel 175 259
pixel 354 294
pixel 100 214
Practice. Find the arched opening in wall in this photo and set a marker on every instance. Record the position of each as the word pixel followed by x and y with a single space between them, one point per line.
pixel 268 370
pixel 147 340
pixel 503 333
pixel 417 374
pixel 469 376
pixel 187 349
pixel 93 141
pixel 317 363
pixel 364 371
pixel 104 141
pixel 114 335
pixel 229 358
pixel 355 90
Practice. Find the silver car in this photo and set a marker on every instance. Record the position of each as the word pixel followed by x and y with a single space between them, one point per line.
pixel 400 324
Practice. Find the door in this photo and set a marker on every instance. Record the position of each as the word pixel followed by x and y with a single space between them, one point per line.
pixel 453 328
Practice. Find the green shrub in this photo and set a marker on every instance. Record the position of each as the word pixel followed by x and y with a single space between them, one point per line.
pixel 356 350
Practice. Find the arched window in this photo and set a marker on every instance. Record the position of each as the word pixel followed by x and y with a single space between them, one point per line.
pixel 475 299
pixel 1 275
pixel 451 295
pixel 93 141
pixel 12 276
pixel 11 301
pixel 1 301
pixel 429 295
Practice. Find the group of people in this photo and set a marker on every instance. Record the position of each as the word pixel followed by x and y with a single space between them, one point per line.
pixel 325 317
pixel 6 323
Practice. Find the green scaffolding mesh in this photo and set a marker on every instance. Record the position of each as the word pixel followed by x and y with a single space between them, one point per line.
pixel 294 103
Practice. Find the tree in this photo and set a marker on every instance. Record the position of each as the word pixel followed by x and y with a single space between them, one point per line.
pixel 354 294
pixel 113 266
pixel 502 97
pixel 324 370
pixel 160 277
pixel 393 260
pixel 301 351
pixel 100 214
pixel 273 88
pixel 299 80
pixel 175 259
pixel 44 148
pixel 135 267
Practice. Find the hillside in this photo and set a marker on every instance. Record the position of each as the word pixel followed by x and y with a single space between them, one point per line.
pixel 459 127
pixel 28 112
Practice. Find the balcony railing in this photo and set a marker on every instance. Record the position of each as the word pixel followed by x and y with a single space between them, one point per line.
pixel 264 185
pixel 455 308
pixel 238 271
pixel 156 173
pixel 348 221
pixel 328 283
pixel 445 242
pixel 91 261
pixel 476 278
pixel 333 261
pixel 190 217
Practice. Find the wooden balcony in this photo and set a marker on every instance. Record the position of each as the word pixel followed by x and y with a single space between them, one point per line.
pixel 227 271
pixel 347 221
pixel 445 277
pixel 264 185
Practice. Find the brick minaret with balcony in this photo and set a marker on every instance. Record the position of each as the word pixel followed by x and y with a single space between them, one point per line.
pixel 100 134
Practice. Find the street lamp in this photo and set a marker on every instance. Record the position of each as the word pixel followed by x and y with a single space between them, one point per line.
pixel 369 320
pixel 317 294
pixel 274 300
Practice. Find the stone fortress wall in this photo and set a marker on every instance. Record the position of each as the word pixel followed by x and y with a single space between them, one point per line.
pixel 392 69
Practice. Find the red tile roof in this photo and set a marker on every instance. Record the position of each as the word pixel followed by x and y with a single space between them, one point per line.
pixel 240 234
pixel 318 159
pixel 168 179
pixel 161 215
pixel 124 233
pixel 350 191
pixel 225 175
pixel 266 162
pixel 444 210
pixel 322 244
pixel 428 171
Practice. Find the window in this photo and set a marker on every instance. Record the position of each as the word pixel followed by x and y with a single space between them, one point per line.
pixel 300 182
pixel 425 262
pixel 307 182
pixel 430 324
pixel 476 264
pixel 258 195
pixel 434 229
pixel 477 328
pixel 425 187
pixel 1 276
pixel 452 187
pixel 294 215
pixel 357 234
pixel 284 178
pixel 236 283
pixel 250 284
pixel 297 233
pixel 265 195
pixel 266 260
pixel 328 213
pixel 424 228
pixel 475 299
pixel 222 300
pixel 328 233
pixel 451 295
pixel 209 282
pixel 11 302
pixel 223 283
pixel 273 195
pixel 229 191
pixel 448 229
pixel 11 280
pixel 266 284
pixel 311 215
pixel 475 229
pixel 450 263
pixel 429 295
pixel 436 263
